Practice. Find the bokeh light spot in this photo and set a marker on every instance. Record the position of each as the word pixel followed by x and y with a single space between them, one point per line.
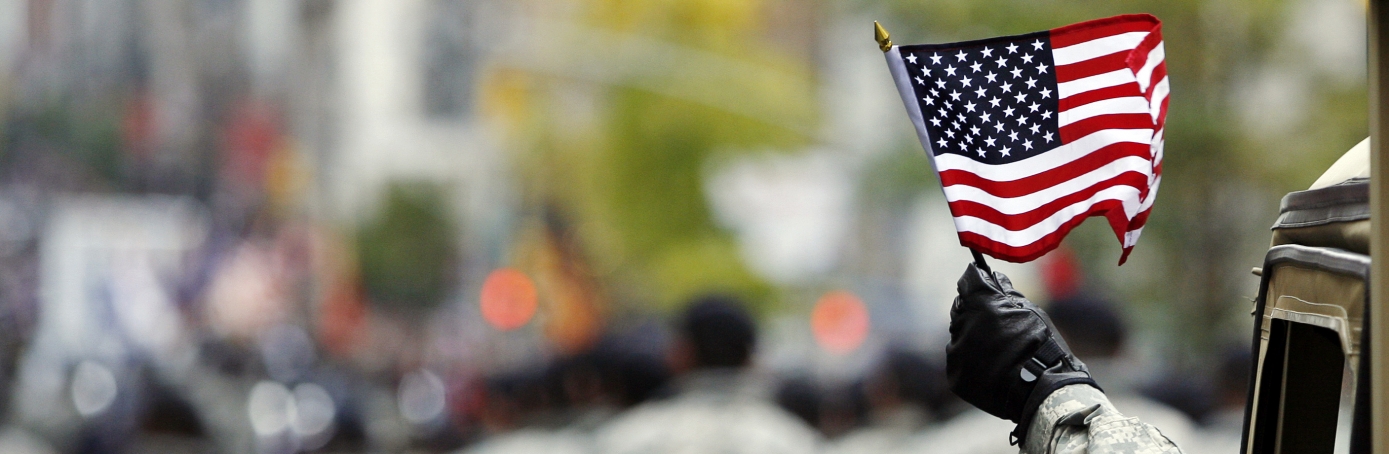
pixel 839 322
pixel 508 299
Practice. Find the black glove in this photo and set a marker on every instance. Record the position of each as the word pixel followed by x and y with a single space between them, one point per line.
pixel 1004 355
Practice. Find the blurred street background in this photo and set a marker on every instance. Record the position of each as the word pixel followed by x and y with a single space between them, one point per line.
pixel 277 226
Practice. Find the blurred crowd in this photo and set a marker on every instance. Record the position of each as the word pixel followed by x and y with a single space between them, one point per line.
pixel 587 226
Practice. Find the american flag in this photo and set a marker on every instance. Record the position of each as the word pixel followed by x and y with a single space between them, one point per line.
pixel 1032 134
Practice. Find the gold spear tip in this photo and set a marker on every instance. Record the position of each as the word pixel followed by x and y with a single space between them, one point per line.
pixel 880 34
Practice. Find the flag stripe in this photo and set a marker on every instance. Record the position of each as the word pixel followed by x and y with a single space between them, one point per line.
pixel 1126 105
pixel 1100 65
pixel 1095 48
pixel 1080 99
pixel 1118 76
pixel 1045 161
pixel 1118 188
pixel 1119 198
pixel 1130 171
pixel 1090 30
pixel 1145 73
pixel 1078 167
pixel 1091 125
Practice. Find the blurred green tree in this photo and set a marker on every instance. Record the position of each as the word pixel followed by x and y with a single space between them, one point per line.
pixel 407 251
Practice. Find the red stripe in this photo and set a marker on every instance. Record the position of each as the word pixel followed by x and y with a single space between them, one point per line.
pixel 1074 131
pixel 1015 222
pixel 1158 73
pixel 1139 56
pixel 1099 28
pixel 1023 186
pixel 1091 67
pixel 1162 114
pixel 1113 210
pixel 1080 99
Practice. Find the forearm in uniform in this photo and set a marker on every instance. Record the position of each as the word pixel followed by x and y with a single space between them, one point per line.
pixel 1080 419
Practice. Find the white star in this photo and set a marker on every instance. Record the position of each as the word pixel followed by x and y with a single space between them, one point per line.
pixel 1017 72
pixel 1046 114
pixel 1034 107
pixel 1031 83
pixel 950 133
pixel 979 93
pixel 969 139
pixel 1027 144
pixel 962 146
pixel 911 58
pixel 1022 120
pixel 1034 127
pixel 919 81
pixel 1005 151
pixel 981 152
pixel 934 92
pixel 940 83
pixel 994 102
pixel 950 70
pixel 960 55
pixel 955 95
pixel 1046 92
pixel 1007 87
pixel 998 126
pixel 942 143
pixel 1042 68
pixel 935 59
pixel 961 117
pixel 1037 45
pixel 991 76
pixel 1001 61
pixel 1008 112
pixel 969 106
pixel 976 66
pixel 935 122
pixel 989 141
pixel 929 101
pixel 965 81
pixel 925 71
pixel 1047 136
pixel 1013 135
pixel 988 52
pixel 985 117
pixel 1020 97
pixel 974 130
pixel 1012 48
pixel 1027 58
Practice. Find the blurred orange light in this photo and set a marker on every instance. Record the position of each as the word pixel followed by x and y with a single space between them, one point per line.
pixel 839 322
pixel 508 299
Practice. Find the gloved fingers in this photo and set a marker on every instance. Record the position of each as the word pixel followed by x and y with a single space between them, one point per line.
pixel 975 281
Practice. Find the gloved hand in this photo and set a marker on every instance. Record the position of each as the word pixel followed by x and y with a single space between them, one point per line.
pixel 1004 356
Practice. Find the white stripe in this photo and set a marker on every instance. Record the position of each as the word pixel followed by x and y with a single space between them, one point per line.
pixel 1045 161
pixel 1116 77
pixel 1098 47
pixel 1127 195
pixel 1145 74
pixel 1159 94
pixel 1126 105
pixel 1025 203
pixel 1131 237
pixel 898 68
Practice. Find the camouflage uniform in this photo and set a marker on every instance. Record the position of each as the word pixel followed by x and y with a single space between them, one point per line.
pixel 1079 419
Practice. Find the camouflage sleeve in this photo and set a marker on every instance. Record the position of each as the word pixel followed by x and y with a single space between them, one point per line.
pixel 1079 419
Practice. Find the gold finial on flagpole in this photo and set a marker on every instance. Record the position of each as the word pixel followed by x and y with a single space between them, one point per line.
pixel 880 34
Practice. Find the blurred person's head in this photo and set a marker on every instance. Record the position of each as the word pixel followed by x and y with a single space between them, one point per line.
pixel 905 379
pixel 1232 383
pixel 1092 327
pixel 715 332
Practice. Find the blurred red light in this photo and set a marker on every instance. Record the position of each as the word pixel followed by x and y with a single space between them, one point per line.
pixel 839 322
pixel 508 299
